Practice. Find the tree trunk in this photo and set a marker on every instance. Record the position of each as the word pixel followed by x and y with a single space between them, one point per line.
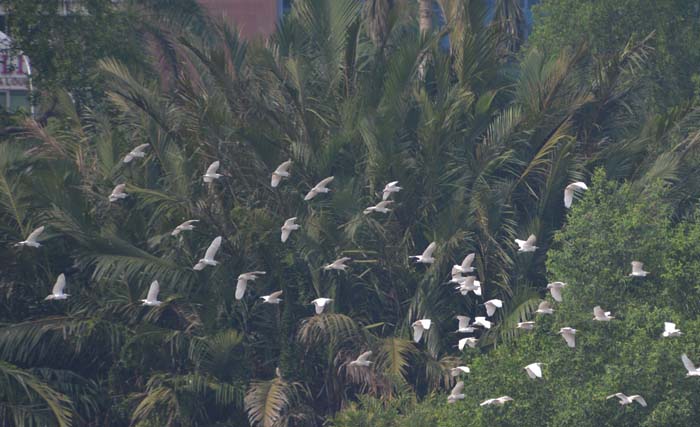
pixel 425 16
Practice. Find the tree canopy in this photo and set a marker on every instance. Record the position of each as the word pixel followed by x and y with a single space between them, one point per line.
pixel 482 145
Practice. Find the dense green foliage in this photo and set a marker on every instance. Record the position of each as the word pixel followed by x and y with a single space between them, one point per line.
pixel 611 226
pixel 607 25
pixel 483 150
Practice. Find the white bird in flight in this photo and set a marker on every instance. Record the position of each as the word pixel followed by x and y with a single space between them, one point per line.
pixel 320 304
pixel 534 370
pixel 210 175
pixel 527 326
pixel 456 393
pixel 481 321
pixel 468 284
pixel 569 192
pixel 463 325
pixel 544 308
pixel 338 264
pixel 136 152
pixel 418 327
pixel 693 371
pixel 31 239
pixel 638 269
pixel 319 188
pixel 381 207
pixel 626 400
pixel 600 315
pixel 185 226
pixel 527 245
pixel 152 297
pixel 273 298
pixel 670 330
pixel 243 280
pixel 459 370
pixel 466 266
pixel 57 291
pixel 391 187
pixel 289 226
pixel 362 360
pixel 209 255
pixel 555 289
pixel 118 193
pixel 427 256
pixel 491 306
pixel 471 342
pixel 497 401
pixel 282 171
pixel 569 335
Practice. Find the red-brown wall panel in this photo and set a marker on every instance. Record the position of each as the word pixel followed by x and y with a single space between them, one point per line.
pixel 253 18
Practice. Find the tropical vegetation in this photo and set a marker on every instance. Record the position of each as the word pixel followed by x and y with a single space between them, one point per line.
pixel 483 137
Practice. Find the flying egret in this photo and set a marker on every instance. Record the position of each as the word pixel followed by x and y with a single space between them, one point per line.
pixel 31 239
pixel 391 187
pixel 362 360
pixel 569 192
pixel 381 207
pixel 319 188
pixel 338 264
pixel 209 255
pixel 288 227
pixel 427 256
pixel 320 304
pixel 481 321
pixel 491 306
pixel 273 298
pixel 465 266
pixel 459 370
pixel 638 269
pixel 136 152
pixel 527 326
pixel 569 335
pixel 626 400
pixel 527 245
pixel 555 289
pixel 282 171
pixel 600 315
pixel 118 193
pixel 463 326
pixel 210 175
pixel 497 401
pixel 243 280
pixel 670 330
pixel 534 370
pixel 57 291
pixel 469 284
pixel 456 393
pixel 152 297
pixel 418 327
pixel 544 308
pixel 185 226
pixel 693 371
pixel 471 342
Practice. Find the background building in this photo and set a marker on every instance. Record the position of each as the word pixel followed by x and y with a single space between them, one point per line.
pixel 252 17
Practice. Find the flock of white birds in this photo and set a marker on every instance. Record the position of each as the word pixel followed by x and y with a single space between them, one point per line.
pixel 465 284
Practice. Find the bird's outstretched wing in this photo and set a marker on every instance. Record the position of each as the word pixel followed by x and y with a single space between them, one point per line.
pixel 689 366
pixel 59 285
pixel 213 168
pixel 35 234
pixel 213 248
pixel 428 252
pixel 153 291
